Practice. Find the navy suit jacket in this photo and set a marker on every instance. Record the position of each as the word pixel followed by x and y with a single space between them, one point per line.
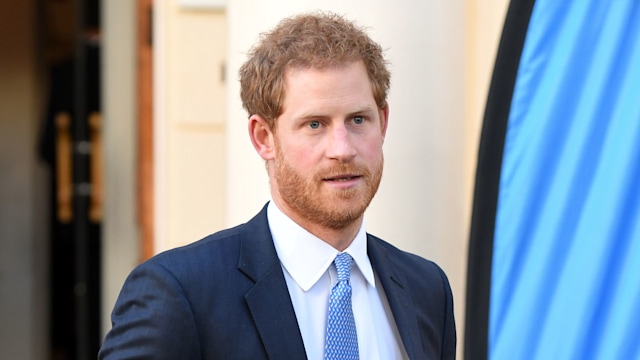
pixel 225 297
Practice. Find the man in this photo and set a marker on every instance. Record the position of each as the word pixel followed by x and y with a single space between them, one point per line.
pixel 315 89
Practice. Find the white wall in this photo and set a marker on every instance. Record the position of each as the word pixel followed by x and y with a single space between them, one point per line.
pixel 189 121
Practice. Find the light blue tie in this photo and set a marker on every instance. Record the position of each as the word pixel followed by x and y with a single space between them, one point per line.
pixel 342 339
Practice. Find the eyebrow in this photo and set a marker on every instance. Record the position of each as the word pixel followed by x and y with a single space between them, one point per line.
pixel 365 109
pixel 362 110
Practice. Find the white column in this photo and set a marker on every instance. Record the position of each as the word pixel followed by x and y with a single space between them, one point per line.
pixel 120 241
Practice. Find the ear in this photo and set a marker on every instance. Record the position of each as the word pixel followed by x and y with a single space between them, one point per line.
pixel 261 137
pixel 384 120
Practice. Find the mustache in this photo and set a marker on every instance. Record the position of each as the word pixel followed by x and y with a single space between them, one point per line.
pixel 342 169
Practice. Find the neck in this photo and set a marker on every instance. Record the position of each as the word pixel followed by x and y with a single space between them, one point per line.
pixel 339 238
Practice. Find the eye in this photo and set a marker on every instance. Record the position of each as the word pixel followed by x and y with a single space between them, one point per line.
pixel 314 124
pixel 358 119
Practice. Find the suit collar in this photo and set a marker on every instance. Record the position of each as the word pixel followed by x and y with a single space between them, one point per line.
pixel 268 300
pixel 306 257
pixel 395 288
pixel 279 329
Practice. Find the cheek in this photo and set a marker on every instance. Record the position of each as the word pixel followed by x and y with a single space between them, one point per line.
pixel 298 155
pixel 304 162
pixel 372 148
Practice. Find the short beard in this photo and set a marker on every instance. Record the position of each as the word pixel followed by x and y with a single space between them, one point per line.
pixel 299 192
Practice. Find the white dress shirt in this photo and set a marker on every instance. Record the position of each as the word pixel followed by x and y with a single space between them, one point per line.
pixel 307 264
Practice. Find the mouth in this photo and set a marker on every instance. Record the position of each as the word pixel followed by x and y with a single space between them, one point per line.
pixel 342 178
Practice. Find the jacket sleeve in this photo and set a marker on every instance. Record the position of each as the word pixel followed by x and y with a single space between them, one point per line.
pixel 152 319
pixel 449 331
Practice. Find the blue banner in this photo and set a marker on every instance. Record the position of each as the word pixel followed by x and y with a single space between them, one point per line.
pixel 565 261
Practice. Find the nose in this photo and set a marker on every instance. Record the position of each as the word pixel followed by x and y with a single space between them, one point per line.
pixel 341 144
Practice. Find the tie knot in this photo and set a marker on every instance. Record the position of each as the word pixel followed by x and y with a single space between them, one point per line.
pixel 343 266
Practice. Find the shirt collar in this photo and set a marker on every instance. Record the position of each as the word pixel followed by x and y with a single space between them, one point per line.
pixel 306 257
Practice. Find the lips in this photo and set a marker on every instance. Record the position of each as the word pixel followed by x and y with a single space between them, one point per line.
pixel 346 174
pixel 342 178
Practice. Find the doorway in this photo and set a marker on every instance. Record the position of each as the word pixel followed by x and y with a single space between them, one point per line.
pixel 69 144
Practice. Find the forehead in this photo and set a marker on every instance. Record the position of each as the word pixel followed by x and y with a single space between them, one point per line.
pixel 334 93
pixel 335 81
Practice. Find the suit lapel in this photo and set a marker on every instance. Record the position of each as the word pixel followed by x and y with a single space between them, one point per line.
pixel 395 288
pixel 269 301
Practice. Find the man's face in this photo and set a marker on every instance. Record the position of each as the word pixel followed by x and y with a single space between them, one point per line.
pixel 328 143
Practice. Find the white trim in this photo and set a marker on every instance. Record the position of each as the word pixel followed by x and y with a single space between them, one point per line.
pixel 202 4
